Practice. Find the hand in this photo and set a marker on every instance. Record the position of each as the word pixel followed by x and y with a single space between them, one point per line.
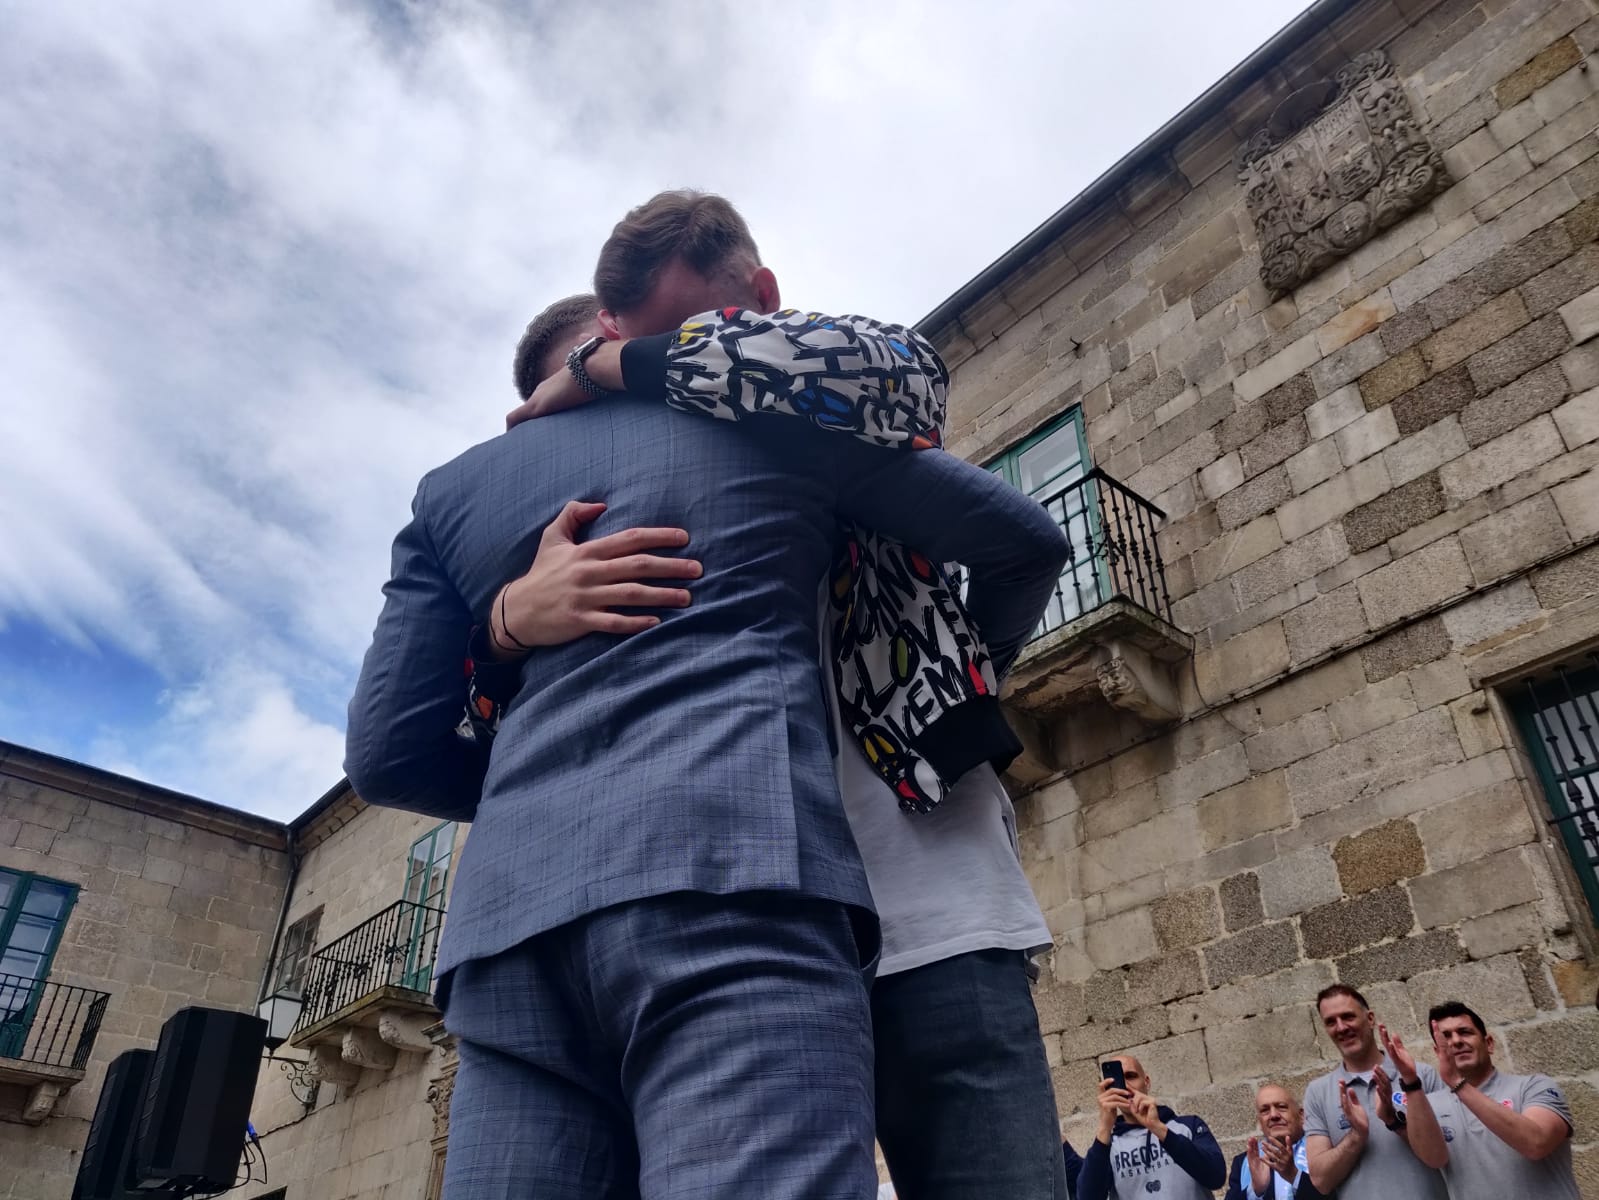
pixel 1404 1061
pixel 1112 1100
pixel 571 586
pixel 1259 1169
pixel 1354 1113
pixel 1279 1157
pixel 1384 1088
pixel 1146 1112
pixel 556 394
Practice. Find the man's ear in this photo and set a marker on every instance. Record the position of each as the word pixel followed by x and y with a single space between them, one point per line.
pixel 608 324
pixel 764 284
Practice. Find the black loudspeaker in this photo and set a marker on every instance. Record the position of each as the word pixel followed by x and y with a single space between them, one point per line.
pixel 103 1174
pixel 196 1106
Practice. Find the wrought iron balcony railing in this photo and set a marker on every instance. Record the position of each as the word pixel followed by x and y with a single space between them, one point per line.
pixel 1115 554
pixel 395 949
pixel 48 1024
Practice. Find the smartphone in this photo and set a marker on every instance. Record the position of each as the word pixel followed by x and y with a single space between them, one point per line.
pixel 1113 1071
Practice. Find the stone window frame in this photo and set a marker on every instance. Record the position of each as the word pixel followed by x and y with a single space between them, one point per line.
pixel 294 956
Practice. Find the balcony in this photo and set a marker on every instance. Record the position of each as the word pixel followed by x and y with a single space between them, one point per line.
pixel 368 994
pixel 47 1033
pixel 1107 636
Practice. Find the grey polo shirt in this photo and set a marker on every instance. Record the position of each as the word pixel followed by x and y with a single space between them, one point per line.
pixel 1387 1170
pixel 946 882
pixel 1481 1167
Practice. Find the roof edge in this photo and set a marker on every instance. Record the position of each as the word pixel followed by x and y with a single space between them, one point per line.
pixel 1318 15
pixel 96 783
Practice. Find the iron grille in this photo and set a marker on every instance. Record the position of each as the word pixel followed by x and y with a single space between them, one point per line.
pixel 1114 551
pixel 1559 716
pixel 53 1024
pixel 396 948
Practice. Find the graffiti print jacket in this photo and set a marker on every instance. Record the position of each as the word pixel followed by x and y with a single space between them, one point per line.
pixel 917 686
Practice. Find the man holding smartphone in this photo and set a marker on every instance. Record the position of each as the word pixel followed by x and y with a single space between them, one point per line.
pixel 1143 1147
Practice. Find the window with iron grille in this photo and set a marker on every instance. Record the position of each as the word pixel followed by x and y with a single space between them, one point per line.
pixel 1558 713
pixel 298 943
pixel 33 912
pixel 1050 467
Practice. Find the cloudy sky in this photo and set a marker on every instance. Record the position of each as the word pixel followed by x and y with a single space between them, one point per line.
pixel 261 265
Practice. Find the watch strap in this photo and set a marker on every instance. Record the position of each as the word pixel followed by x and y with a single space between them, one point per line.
pixel 574 364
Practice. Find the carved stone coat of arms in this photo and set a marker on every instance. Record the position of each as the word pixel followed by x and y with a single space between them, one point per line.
pixel 1339 162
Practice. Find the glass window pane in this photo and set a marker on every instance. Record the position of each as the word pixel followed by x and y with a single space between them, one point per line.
pixel 8 885
pixel 31 933
pixel 1050 460
pixel 24 963
pixel 444 843
pixel 45 899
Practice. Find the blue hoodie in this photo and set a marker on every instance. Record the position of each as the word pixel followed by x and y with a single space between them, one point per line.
pixel 1188 1165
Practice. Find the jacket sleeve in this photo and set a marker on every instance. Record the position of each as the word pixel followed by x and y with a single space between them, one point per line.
pixel 1199 1154
pixel 1235 1173
pixel 1074 1168
pixel 881 382
pixel 402 748
pixel 952 511
pixel 1095 1180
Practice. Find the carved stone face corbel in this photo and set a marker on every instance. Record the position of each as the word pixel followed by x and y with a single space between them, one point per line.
pixel 1339 162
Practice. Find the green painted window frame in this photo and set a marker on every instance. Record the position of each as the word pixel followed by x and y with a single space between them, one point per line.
pixel 424 921
pixel 14 1027
pixel 294 957
pixel 1531 712
pixel 13 913
pixel 1007 466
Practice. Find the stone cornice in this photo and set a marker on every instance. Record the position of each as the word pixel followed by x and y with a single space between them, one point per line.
pixel 92 783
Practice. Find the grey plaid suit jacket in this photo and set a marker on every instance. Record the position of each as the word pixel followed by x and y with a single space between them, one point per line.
pixel 691 757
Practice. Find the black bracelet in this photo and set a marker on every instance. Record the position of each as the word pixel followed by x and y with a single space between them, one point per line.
pixel 507 628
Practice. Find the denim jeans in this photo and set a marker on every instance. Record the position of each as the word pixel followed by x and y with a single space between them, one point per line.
pixel 965 1107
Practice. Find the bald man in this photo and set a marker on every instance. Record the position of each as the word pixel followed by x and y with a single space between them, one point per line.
pixel 1273 1166
pixel 1143 1148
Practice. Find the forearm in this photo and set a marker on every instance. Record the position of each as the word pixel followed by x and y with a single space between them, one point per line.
pixel 1331 1166
pixel 1422 1132
pixel 952 511
pixel 1519 1131
pixel 880 382
pixel 1203 1162
pixel 401 745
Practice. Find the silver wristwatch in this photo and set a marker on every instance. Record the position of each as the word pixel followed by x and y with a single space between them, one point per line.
pixel 574 364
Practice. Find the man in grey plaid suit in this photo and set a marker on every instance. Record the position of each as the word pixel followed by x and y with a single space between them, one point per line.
pixel 654 957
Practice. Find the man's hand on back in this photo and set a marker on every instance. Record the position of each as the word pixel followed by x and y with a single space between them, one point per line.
pixel 572 586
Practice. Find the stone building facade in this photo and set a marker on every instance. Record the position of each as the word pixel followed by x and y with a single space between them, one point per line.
pixel 365 1117
pixel 1330 757
pixel 131 902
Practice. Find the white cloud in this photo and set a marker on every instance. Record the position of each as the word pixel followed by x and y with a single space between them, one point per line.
pixel 262 265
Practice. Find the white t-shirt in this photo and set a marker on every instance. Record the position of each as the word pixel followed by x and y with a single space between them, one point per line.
pixel 946 882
